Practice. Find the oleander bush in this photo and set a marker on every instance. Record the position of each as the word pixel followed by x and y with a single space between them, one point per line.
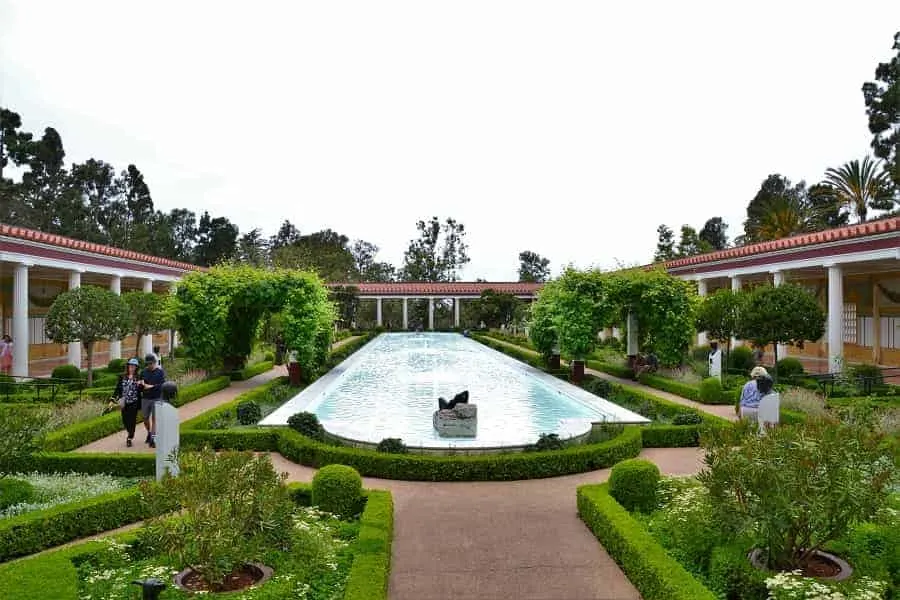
pixel 67 372
pixel 116 365
pixel 307 424
pixel 392 446
pixel 248 412
pixel 337 489
pixel 789 367
pixel 633 484
pixel 740 359
pixel 710 390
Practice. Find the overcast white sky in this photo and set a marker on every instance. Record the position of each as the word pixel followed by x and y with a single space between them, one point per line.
pixel 568 128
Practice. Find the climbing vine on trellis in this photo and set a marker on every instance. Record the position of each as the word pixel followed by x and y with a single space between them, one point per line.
pixel 219 314
pixel 574 307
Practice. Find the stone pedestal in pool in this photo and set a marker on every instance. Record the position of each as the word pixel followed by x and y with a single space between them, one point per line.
pixel 459 421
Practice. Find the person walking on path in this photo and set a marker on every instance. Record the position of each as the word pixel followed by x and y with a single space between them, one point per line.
pixel 128 396
pixel 152 378
pixel 6 356
pixel 750 394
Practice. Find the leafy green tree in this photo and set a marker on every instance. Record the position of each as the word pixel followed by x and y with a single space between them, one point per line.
pixel 88 315
pixel 779 209
pixel 690 243
pixel 216 240
pixel 533 267
pixel 146 314
pixel 882 98
pixel 346 301
pixel 861 186
pixel 713 234
pixel 541 326
pixel 253 249
pixel 324 252
pixel 287 235
pixel 367 268
pixel 719 314
pixel 665 244
pixel 827 212
pixel 438 253
pixel 787 314
pixel 496 308
pixel 21 433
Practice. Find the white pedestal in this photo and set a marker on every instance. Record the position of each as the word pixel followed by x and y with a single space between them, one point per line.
pixel 715 363
pixel 167 439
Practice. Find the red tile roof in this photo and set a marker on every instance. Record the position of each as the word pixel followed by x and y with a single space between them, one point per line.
pixel 860 230
pixel 73 244
pixel 424 288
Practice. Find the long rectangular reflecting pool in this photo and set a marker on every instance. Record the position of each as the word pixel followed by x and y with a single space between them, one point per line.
pixel 391 386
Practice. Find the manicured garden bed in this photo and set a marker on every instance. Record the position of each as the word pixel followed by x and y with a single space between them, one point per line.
pixel 351 560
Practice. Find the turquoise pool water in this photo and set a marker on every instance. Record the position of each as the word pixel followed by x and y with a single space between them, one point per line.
pixel 390 387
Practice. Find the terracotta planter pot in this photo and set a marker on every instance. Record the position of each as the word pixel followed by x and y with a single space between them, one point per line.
pixel 757 559
pixel 577 375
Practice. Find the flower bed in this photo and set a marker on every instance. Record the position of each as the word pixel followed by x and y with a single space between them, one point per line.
pixel 362 570
pixel 52 489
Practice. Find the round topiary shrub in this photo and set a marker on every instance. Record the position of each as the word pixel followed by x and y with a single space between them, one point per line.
pixel 248 412
pixel 788 367
pixel 337 489
pixel 269 357
pixel 70 372
pixel 741 359
pixel 307 423
pixel 116 365
pixel 14 491
pixel 633 484
pixel 711 390
pixel 392 446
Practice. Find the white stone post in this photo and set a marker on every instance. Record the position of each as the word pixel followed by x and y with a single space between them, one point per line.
pixel 74 354
pixel 456 312
pixel 735 287
pixel 835 318
pixel 701 291
pixel 378 319
pixel 405 313
pixel 147 342
pixel 431 314
pixel 115 346
pixel 777 280
pixel 21 341
pixel 167 439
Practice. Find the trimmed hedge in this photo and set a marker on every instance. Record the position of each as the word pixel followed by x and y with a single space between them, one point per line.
pixel 620 371
pixel 252 370
pixel 368 579
pixel 204 420
pixel 78 434
pixel 655 574
pixel 35 531
pixel 484 467
pixel 118 464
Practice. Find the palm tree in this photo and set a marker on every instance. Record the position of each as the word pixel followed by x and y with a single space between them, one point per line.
pixel 861 186
pixel 782 216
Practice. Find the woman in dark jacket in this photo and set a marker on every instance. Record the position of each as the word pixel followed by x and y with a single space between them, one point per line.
pixel 128 395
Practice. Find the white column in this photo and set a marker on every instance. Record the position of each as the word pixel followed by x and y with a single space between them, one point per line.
pixel 735 287
pixel 633 346
pixel 378 320
pixel 115 346
pixel 778 279
pixel 701 291
pixel 405 314
pixel 147 341
pixel 835 318
pixel 456 312
pixel 430 314
pixel 21 343
pixel 75 347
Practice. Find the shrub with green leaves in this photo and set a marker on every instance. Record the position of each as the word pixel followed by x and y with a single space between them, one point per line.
pixel 392 446
pixel 546 441
pixel 741 359
pixel 68 372
pixel 800 486
pixel 307 423
pixel 710 390
pixel 116 365
pixel 14 491
pixel 789 367
pixel 687 418
pixel 633 484
pixel 248 412
pixel 337 489
pixel 235 508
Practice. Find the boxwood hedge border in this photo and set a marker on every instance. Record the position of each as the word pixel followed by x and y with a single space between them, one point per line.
pixel 648 566
pixel 54 573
